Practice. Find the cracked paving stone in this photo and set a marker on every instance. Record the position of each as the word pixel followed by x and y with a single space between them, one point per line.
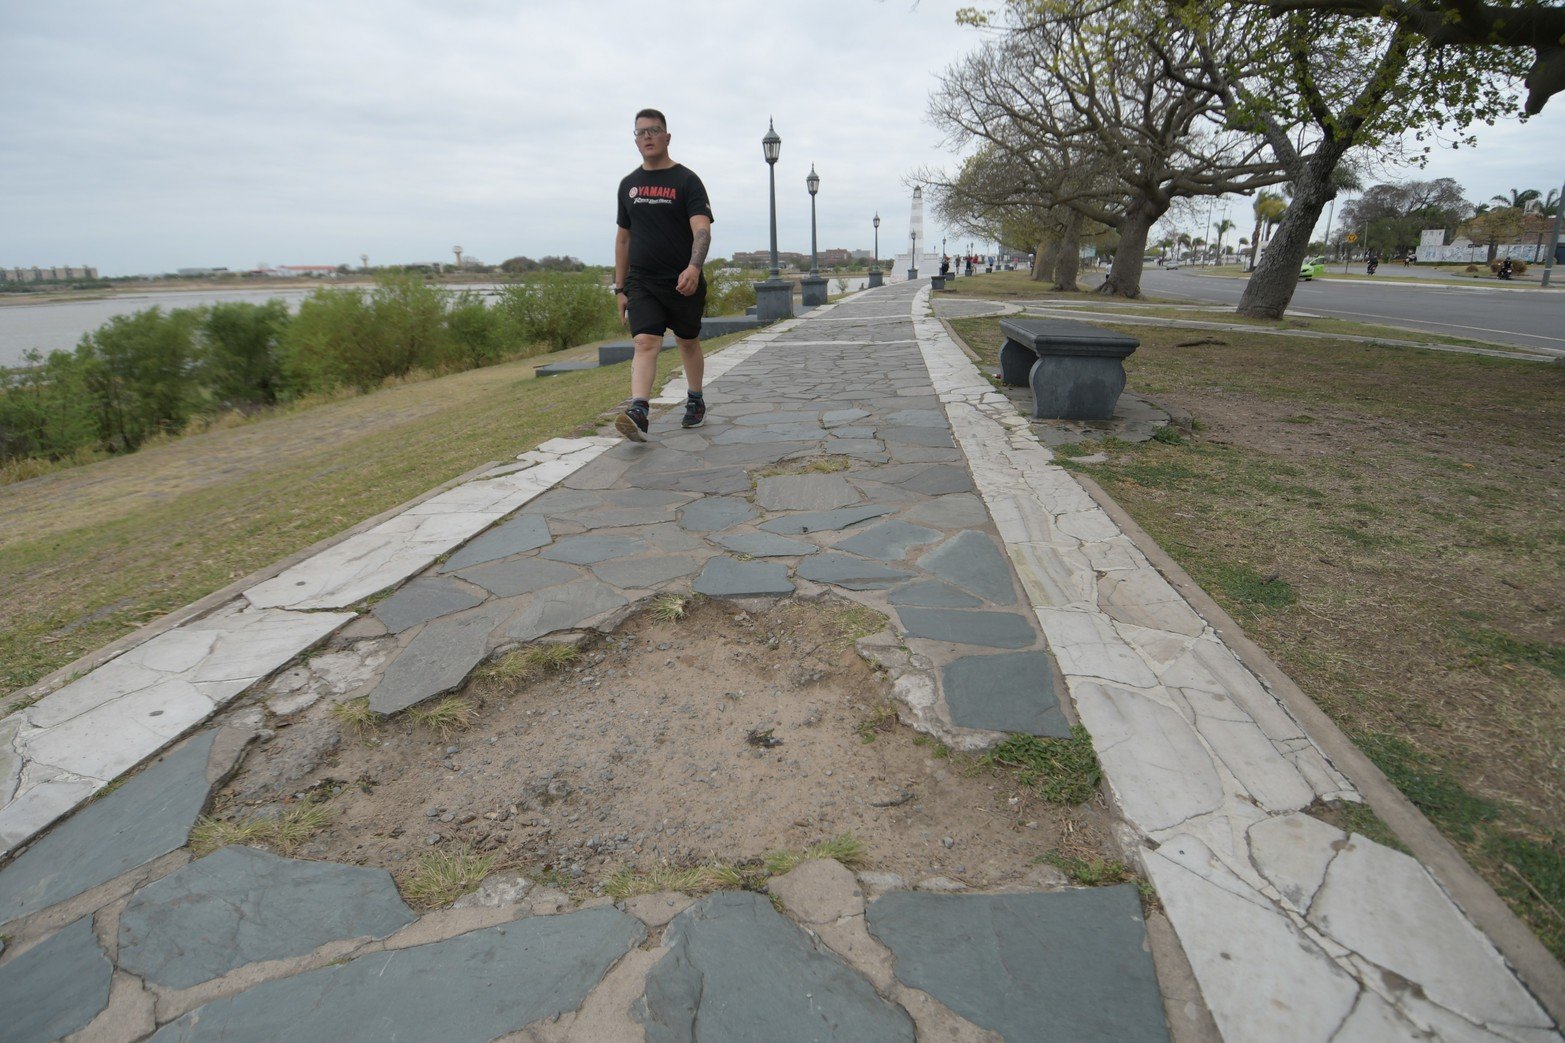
pixel 1013 692
pixel 589 550
pixel 726 577
pixel 437 660
pixel 55 988
pixel 1067 965
pixel 239 906
pixel 990 629
pixel 148 816
pixel 765 545
pixel 564 607
pixel 823 521
pixel 517 536
pixel 422 600
pixel 713 513
pixel 973 562
pixel 931 593
pixel 507 579
pixel 737 970
pixel 805 492
pixel 476 986
pixel 888 541
pixel 645 573
pixel 846 571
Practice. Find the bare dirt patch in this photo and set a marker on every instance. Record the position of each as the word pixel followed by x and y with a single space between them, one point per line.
pixel 716 738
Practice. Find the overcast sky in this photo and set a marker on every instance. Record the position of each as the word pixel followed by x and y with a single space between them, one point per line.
pixel 158 135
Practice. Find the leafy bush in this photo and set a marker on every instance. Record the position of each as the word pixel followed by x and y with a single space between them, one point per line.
pixel 44 408
pixel 241 359
pixel 478 334
pixel 136 370
pixel 350 338
pixel 730 293
pixel 555 310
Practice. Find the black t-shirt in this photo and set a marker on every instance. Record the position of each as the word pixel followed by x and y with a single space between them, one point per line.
pixel 657 205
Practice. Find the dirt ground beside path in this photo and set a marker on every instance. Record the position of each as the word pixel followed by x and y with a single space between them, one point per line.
pixel 719 737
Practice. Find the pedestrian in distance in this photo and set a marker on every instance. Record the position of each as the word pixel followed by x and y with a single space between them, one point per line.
pixel 665 230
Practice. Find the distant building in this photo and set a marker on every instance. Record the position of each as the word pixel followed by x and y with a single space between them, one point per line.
pixel 53 274
pixel 294 271
pixel 199 273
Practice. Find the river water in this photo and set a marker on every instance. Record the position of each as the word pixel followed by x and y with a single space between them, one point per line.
pixel 60 325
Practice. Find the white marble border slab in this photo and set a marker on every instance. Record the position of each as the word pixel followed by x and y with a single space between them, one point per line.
pixel 1295 930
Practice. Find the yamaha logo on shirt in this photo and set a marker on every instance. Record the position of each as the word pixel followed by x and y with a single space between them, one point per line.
pixel 653 194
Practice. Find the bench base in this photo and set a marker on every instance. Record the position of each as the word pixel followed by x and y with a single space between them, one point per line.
pixel 1067 387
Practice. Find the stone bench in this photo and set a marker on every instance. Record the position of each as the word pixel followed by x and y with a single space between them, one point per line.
pixel 1076 371
pixel 625 350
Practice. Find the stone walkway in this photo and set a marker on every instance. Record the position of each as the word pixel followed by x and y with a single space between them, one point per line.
pixel 1017 604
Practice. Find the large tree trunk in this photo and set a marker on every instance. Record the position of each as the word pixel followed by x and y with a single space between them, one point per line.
pixel 1043 259
pixel 1124 279
pixel 1271 286
pixel 1067 262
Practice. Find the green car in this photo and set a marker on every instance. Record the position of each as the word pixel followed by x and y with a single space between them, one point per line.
pixel 1312 267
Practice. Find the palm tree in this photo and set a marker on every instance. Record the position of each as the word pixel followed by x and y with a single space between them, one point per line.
pixel 1223 227
pixel 1269 208
pixel 1519 198
pixel 1549 205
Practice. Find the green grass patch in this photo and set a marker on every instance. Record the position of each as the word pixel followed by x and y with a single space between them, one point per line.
pixel 447 716
pixel 1090 872
pixel 284 833
pixel 1246 585
pixel 441 877
pixel 1488 646
pixel 1428 784
pixel 1062 771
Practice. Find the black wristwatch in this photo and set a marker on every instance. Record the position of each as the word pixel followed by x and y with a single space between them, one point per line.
pixel 617 289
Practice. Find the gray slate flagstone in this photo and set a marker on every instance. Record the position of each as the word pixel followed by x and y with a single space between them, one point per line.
pixel 935 438
pixel 847 571
pixel 931 593
pixel 587 550
pixel 1005 693
pixel 940 479
pixel 823 521
pixel 1068 965
pixel 712 480
pixel 239 905
pixel 56 988
pixel 437 660
pixel 917 418
pixel 736 970
pixel 958 511
pixel 775 418
pixel 972 561
pixel 838 417
pixel 768 435
pixel 641 573
pixel 903 453
pixel 805 492
pixel 765 545
pixel 990 629
pixel 716 512
pixel 725 577
pixel 519 535
pixel 473 987
pixel 507 579
pixel 422 600
pixel 888 541
pixel 149 816
pixel 560 608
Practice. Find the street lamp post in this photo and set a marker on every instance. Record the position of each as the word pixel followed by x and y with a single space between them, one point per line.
pixel 814 285
pixel 774 297
pixel 912 257
pixel 874 266
pixel 1554 239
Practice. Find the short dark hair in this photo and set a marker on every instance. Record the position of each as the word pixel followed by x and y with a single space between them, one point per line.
pixel 653 114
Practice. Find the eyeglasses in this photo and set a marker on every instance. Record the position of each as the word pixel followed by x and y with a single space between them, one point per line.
pixel 648 132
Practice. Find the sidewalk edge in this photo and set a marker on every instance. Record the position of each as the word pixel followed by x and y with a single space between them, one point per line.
pixel 1534 964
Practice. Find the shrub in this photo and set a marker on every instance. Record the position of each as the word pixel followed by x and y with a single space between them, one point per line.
pixel 44 408
pixel 330 343
pixel 728 293
pixel 241 360
pixel 137 371
pixel 478 335
pixel 556 310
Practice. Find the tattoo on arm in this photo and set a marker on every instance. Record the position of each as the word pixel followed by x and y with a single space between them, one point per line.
pixel 703 243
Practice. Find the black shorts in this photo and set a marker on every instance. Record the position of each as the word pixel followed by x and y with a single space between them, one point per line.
pixel 654 305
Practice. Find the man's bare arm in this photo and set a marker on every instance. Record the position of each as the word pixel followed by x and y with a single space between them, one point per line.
pixel 621 256
pixel 701 231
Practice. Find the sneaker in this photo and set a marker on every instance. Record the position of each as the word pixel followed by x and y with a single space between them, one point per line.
pixel 632 423
pixel 695 412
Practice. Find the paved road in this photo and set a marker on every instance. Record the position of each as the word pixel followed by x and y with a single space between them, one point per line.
pixel 1526 318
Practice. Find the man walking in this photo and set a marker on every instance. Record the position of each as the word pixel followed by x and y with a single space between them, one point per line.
pixel 665 231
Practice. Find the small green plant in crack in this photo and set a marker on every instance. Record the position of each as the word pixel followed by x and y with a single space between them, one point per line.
pixel 857 621
pixel 526 664
pixel 285 832
pixel 670 608
pixel 1169 435
pixel 1062 771
pixel 356 717
pixel 1095 871
pixel 881 718
pixel 440 877
pixel 847 849
pixel 450 715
